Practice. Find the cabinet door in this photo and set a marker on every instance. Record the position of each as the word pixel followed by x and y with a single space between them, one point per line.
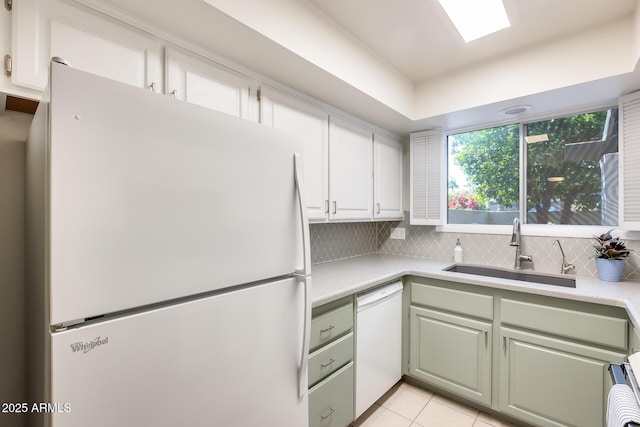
pixel 6 85
pixel 451 352
pixel 204 83
pixel 552 382
pixel 387 189
pixel 46 28
pixel 350 171
pixel 312 126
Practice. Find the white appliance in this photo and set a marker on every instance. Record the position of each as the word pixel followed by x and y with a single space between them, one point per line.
pixel 168 252
pixel 378 343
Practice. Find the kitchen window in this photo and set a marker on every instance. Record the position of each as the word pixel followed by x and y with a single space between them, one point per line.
pixel 562 170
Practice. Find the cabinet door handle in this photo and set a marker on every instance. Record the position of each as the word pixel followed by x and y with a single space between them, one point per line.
pixel 326 206
pixel 335 207
pixel 152 87
pixel 377 208
pixel 174 93
pixel 331 411
pixel 504 343
pixel 329 363
pixel 323 331
pixel 486 338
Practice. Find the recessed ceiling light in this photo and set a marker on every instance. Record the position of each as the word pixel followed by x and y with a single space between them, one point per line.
pixel 513 111
pixel 476 18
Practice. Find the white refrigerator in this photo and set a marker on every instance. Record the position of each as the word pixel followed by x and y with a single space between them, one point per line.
pixel 168 263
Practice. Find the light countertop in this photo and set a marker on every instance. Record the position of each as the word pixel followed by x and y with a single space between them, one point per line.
pixel 334 280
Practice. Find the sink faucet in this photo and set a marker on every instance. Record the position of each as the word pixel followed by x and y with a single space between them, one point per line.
pixel 565 267
pixel 515 241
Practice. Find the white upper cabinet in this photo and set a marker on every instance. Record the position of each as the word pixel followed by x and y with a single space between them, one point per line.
pixel 312 126
pixel 350 171
pixel 46 28
pixel 387 176
pixel 338 155
pixel 202 82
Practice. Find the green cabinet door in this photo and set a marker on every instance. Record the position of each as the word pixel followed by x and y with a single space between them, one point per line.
pixel 451 352
pixel 552 382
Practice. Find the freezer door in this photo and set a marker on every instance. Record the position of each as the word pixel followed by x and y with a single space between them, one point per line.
pixel 227 360
pixel 148 191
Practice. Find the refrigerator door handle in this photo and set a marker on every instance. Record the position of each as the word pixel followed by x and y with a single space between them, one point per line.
pixel 306 256
pixel 304 356
pixel 304 277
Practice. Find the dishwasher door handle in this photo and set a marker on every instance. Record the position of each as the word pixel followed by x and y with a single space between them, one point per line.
pixel 374 297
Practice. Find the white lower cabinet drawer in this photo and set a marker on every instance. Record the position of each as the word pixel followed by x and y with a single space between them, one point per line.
pixel 331 401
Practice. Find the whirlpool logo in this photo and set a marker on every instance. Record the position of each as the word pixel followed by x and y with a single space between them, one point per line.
pixel 87 346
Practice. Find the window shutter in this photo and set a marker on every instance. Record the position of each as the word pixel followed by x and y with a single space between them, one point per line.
pixel 629 172
pixel 427 186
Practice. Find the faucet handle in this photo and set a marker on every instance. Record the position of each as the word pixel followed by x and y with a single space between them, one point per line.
pixel 565 267
pixel 515 234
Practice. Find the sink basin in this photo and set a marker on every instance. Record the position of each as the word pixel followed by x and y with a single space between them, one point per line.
pixel 503 273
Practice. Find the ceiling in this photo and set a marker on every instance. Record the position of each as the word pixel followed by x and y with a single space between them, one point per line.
pixel 417 38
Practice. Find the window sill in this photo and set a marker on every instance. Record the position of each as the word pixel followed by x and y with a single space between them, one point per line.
pixel 576 231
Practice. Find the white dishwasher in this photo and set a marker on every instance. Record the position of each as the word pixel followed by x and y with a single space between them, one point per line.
pixel 378 343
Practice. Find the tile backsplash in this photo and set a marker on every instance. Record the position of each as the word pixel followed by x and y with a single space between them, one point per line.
pixel 330 242
pixel 334 241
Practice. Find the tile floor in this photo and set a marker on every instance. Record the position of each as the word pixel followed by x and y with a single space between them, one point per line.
pixel 408 406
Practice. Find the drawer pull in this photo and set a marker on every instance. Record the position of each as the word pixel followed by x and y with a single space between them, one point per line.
pixel 329 363
pixel 324 331
pixel 331 411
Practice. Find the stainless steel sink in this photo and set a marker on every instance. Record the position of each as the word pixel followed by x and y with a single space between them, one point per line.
pixel 503 273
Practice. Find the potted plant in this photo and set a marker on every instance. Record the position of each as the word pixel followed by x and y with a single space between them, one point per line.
pixel 610 255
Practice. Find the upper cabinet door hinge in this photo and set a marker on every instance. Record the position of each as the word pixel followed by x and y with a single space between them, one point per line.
pixel 8 65
pixel 259 94
pixel 8 4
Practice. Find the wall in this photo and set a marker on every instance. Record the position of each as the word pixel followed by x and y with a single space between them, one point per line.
pixel 331 242
pixel 13 132
pixel 558 64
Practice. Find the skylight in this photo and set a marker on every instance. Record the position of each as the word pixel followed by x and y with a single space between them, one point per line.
pixel 476 18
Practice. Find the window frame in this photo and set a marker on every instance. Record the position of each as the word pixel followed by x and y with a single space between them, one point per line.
pixel 542 230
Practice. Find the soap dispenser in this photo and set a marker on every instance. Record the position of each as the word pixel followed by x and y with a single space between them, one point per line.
pixel 457 252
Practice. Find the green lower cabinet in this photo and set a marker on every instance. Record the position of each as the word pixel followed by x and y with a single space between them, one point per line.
pixel 331 401
pixel 452 352
pixel 552 382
